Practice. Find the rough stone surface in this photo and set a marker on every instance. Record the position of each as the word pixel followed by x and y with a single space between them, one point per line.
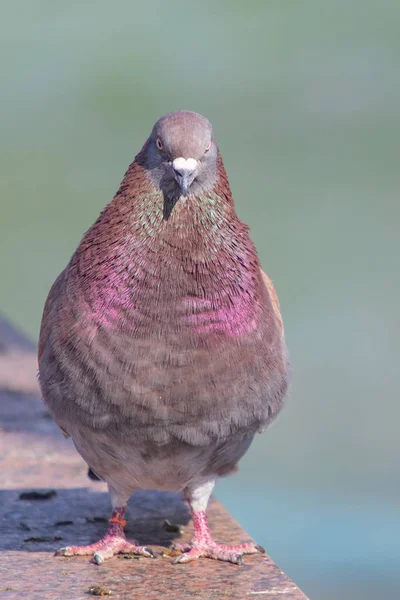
pixel 34 457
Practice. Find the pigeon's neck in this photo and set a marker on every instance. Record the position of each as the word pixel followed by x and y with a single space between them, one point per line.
pixel 194 228
pixel 196 268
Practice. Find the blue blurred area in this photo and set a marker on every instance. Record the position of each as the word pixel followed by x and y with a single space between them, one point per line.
pixel 304 98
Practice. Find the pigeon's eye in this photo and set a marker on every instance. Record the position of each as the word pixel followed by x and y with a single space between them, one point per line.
pixel 159 144
pixel 208 147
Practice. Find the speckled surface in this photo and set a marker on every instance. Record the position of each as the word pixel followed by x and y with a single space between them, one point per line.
pixel 34 456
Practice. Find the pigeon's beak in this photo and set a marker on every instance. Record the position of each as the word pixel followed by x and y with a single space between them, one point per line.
pixel 184 173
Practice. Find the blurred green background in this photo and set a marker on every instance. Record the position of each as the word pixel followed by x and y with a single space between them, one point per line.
pixel 304 98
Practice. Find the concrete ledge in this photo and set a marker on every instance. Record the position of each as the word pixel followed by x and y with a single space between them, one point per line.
pixel 68 508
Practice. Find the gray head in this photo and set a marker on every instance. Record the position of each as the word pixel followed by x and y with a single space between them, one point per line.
pixel 181 154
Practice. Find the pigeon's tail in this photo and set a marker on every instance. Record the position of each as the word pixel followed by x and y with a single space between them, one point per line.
pixel 92 475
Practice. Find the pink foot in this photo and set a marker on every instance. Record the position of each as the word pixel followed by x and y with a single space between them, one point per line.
pixel 203 545
pixel 114 542
pixel 108 546
pixel 231 554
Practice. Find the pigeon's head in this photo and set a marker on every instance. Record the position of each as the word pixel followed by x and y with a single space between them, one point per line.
pixel 181 154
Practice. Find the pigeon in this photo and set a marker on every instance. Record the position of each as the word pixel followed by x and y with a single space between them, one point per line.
pixel 162 348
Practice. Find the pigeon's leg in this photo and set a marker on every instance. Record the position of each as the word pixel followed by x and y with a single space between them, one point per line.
pixel 202 544
pixel 114 541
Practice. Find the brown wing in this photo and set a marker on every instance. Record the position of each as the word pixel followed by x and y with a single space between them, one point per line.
pixel 49 313
pixel 274 298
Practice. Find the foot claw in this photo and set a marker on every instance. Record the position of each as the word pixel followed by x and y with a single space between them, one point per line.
pixel 182 558
pixel 149 552
pixel 181 547
pixel 260 548
pixel 66 551
pixel 238 560
pixel 98 558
